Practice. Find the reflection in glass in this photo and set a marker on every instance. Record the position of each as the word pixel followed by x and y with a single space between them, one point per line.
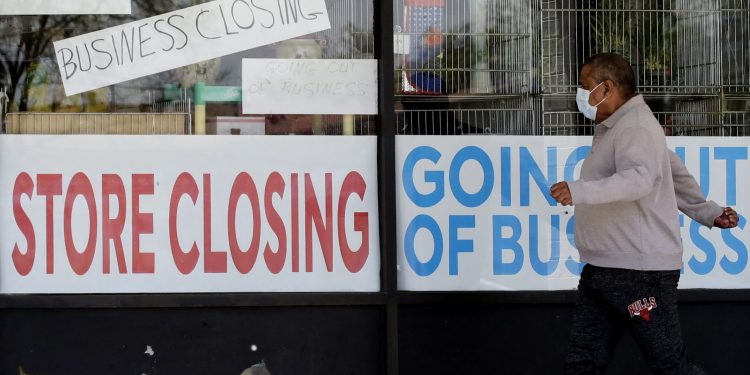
pixel 37 102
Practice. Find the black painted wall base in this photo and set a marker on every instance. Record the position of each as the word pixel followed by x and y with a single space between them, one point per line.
pixel 531 339
pixel 433 339
pixel 318 340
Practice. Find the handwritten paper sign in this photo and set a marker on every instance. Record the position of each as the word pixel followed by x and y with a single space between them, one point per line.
pixel 38 7
pixel 183 37
pixel 309 86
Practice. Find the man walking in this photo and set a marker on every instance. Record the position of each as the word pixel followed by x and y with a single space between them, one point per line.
pixel 627 228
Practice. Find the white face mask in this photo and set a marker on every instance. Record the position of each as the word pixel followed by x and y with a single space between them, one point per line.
pixel 582 100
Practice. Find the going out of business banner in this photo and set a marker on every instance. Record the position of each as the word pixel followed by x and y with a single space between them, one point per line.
pixel 143 214
pixel 310 86
pixel 474 212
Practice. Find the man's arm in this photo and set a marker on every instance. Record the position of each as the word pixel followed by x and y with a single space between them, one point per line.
pixel 689 196
pixel 636 164
pixel 691 202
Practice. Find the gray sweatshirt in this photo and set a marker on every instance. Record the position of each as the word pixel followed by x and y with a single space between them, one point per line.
pixel 689 196
pixel 627 197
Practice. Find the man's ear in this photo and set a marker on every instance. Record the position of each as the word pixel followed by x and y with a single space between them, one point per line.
pixel 609 87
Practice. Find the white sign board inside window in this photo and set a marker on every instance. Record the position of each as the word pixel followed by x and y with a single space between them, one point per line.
pixel 474 212
pixel 184 37
pixel 176 214
pixel 38 7
pixel 309 86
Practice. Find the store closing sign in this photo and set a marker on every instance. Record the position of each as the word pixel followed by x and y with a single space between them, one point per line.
pixel 309 86
pixel 181 38
pixel 143 214
pixel 39 7
pixel 474 213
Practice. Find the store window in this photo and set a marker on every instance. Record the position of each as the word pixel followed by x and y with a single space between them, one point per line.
pixel 511 66
pixel 474 212
pixel 465 67
pixel 198 98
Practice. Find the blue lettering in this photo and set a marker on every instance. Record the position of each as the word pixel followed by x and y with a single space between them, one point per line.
pixel 506 178
pixel 705 171
pixel 574 158
pixel 455 245
pixel 680 151
pixel 434 177
pixel 500 243
pixel 701 268
pixel 572 266
pixel 529 167
pixel 731 155
pixel 429 267
pixel 488 176
pixel 736 267
pixel 544 268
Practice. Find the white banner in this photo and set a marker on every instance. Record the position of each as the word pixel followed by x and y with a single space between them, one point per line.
pixel 474 213
pixel 181 38
pixel 38 7
pixel 164 214
pixel 309 86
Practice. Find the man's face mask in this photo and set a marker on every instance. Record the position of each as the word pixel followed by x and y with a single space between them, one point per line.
pixel 582 100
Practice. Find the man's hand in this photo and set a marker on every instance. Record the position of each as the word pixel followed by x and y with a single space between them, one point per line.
pixel 561 193
pixel 728 219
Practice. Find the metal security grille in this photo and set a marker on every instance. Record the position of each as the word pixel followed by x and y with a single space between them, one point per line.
pixel 737 115
pixel 679 116
pixel 735 46
pixel 673 45
pixel 511 66
pixel 464 67
pixel 471 115
pixel 98 123
pixel 350 37
pixel 181 103
pixel 690 59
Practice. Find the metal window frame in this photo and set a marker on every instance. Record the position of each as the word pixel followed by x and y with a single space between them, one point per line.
pixel 389 298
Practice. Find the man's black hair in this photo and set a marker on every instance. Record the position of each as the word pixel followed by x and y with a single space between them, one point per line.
pixel 613 67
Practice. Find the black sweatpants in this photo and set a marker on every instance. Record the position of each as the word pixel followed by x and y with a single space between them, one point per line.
pixel 611 300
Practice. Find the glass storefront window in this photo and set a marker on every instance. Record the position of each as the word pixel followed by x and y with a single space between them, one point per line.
pixel 511 66
pixel 36 100
pixel 464 67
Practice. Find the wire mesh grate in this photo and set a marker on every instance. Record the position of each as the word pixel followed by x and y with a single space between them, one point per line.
pixel 735 41
pixel 679 116
pixel 98 123
pixel 351 33
pixel 464 67
pixel 673 45
pixel 477 115
pixel 737 116
pixel 480 47
pixel 181 104
pixel 511 66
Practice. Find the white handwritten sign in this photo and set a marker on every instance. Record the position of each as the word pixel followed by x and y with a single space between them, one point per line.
pixel 37 7
pixel 181 38
pixel 309 86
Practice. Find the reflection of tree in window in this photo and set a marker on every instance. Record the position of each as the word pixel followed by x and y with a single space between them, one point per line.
pixel 28 66
pixel 29 71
